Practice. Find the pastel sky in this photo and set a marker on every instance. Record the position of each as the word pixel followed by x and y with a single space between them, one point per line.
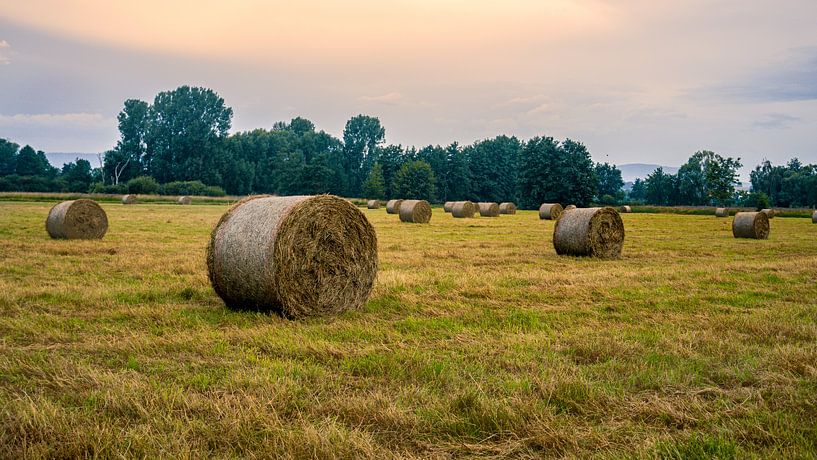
pixel 648 81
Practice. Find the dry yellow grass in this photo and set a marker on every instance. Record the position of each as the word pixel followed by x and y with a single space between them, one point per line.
pixel 693 344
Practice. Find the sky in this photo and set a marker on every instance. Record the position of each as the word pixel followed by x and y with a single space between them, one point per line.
pixel 637 81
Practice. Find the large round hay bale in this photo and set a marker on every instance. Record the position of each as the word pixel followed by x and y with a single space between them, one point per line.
pixel 184 200
pixel 373 204
pixel 814 217
pixel 415 211
pixel 769 213
pixel 570 207
pixel 751 225
pixel 129 199
pixel 625 209
pixel 463 209
pixel 298 256
pixel 596 232
pixel 550 211
pixel 77 219
pixel 448 205
pixel 721 212
pixel 393 206
pixel 507 208
pixel 488 209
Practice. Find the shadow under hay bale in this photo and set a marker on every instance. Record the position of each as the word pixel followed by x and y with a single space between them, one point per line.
pixel 77 220
pixel 129 199
pixel 721 212
pixel 448 206
pixel 415 211
pixel 488 209
pixel 769 213
pixel 751 225
pixel 625 209
pixel 393 206
pixel 184 200
pixel 550 211
pixel 596 232
pixel 507 208
pixel 463 209
pixel 297 256
pixel 373 204
pixel 570 207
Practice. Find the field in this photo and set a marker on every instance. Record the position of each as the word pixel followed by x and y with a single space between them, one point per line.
pixel 477 341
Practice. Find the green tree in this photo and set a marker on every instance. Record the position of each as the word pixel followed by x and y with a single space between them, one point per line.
pixel 8 157
pixel 132 146
pixel 31 162
pixel 375 187
pixel 609 180
pixel 459 174
pixel 721 175
pixel 659 188
pixel 638 192
pixel 77 175
pixel 556 173
pixel 415 180
pixel 361 137
pixel 494 168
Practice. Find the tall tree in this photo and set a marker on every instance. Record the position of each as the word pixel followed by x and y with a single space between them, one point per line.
pixel 132 146
pixel 415 180
pixel 361 137
pixel 375 187
pixel 8 157
pixel 459 174
pixel 660 187
pixel 77 175
pixel 609 180
pixel 494 168
pixel 32 162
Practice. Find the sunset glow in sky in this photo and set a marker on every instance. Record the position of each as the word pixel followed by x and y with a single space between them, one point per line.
pixel 635 80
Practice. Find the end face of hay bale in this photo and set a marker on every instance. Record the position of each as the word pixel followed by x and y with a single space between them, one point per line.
pixel 625 209
pixel 448 206
pixel 814 218
pixel 415 211
pixel 298 256
pixel 769 213
pixel 129 199
pixel 550 211
pixel 373 204
pixel 393 206
pixel 77 219
pixel 721 212
pixel 463 209
pixel 488 209
pixel 184 200
pixel 596 232
pixel 753 225
pixel 570 207
pixel 507 208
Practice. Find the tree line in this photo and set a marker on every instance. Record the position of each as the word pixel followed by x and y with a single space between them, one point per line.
pixel 180 144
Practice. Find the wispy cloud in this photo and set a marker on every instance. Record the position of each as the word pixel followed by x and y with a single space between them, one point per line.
pixel 776 121
pixel 4 59
pixel 395 98
pixel 56 119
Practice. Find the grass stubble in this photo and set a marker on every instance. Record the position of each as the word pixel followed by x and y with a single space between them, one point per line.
pixel 693 344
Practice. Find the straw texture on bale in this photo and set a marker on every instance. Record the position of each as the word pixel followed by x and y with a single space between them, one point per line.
pixel 550 211
pixel 184 200
pixel 129 199
pixel 297 256
pixel 769 213
pixel 570 207
pixel 814 218
pixel 463 209
pixel 448 205
pixel 77 220
pixel 751 225
pixel 596 232
pixel 488 209
pixel 721 212
pixel 625 209
pixel 415 211
pixel 393 206
pixel 373 204
pixel 507 208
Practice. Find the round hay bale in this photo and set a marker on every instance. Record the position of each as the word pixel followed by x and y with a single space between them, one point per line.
pixel 415 211
pixel 721 212
pixel 373 204
pixel 393 206
pixel 814 218
pixel 488 209
pixel 463 209
pixel 507 208
pixel 751 225
pixel 448 205
pixel 625 209
pixel 769 213
pixel 297 256
pixel 129 199
pixel 570 207
pixel 550 211
pixel 596 232
pixel 77 219
pixel 184 200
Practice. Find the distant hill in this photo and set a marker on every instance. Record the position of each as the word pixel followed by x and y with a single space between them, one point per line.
pixel 58 159
pixel 632 171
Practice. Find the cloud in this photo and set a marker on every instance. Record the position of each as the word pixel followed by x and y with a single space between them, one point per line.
pixel 776 121
pixel 4 45
pixel 393 98
pixel 52 119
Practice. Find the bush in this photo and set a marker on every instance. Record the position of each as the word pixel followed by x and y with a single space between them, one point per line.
pixel 99 187
pixel 144 185
pixel 757 200
pixel 194 187
pixel 214 190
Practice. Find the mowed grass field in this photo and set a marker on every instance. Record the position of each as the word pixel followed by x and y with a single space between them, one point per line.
pixel 478 340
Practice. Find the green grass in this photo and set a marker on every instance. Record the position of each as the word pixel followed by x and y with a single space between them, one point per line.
pixel 477 341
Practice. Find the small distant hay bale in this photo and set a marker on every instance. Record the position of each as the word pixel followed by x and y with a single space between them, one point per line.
pixel 77 220
pixel 507 208
pixel 721 212
pixel 814 217
pixel 595 232
pixel 373 204
pixel 129 199
pixel 488 209
pixel 570 207
pixel 769 213
pixel 448 205
pixel 625 209
pixel 550 211
pixel 463 209
pixel 415 211
pixel 751 225
pixel 184 200
pixel 297 256
pixel 393 206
